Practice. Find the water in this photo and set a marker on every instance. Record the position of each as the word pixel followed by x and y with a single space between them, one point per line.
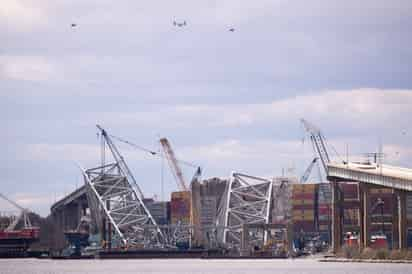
pixel 195 266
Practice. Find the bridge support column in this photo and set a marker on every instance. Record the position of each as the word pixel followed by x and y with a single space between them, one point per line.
pixel 336 217
pixel 395 221
pixel 366 221
pixel 403 231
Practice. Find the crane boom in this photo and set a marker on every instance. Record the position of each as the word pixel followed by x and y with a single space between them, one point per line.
pixel 119 159
pixel 12 202
pixel 173 163
pixel 23 214
pixel 318 142
pixel 307 172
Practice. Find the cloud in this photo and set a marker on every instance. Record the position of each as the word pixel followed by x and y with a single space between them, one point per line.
pixel 27 68
pixel 22 15
pixel 356 109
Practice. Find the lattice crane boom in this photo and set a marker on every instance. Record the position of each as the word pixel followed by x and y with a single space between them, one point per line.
pixel 173 163
pixel 120 160
pixel 114 192
pixel 318 142
pixel 307 172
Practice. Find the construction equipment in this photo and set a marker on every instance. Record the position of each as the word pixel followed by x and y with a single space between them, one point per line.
pixel 23 215
pixel 116 201
pixel 171 159
pixel 318 142
pixel 174 165
pixel 308 170
pixel 15 241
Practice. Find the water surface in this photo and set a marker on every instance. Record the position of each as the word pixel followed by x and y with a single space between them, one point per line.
pixel 195 266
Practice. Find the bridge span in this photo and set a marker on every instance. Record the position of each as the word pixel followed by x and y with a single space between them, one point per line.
pixel 370 176
pixel 381 175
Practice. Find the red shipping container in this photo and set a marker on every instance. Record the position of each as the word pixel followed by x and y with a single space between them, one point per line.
pixel 303 207
pixel 303 196
pixel 324 210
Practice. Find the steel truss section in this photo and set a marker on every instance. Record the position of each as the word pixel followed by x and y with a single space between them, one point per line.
pixel 111 196
pixel 247 201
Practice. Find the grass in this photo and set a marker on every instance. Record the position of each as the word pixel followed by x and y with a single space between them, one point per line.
pixel 349 252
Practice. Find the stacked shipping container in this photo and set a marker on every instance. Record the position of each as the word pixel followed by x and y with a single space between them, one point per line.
pixel 304 204
pixel 324 207
pixel 409 217
pixel 180 207
pixel 381 216
pixel 351 206
pixel 160 211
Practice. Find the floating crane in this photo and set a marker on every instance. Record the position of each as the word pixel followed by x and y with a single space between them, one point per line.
pixel 17 241
pixel 23 215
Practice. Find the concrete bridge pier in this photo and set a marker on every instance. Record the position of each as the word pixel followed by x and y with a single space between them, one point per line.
pixel 337 220
pixel 402 223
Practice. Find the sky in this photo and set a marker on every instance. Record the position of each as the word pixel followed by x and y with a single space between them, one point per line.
pixel 227 101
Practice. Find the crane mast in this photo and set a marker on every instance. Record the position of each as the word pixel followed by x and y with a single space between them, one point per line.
pixel 173 163
pixel 318 142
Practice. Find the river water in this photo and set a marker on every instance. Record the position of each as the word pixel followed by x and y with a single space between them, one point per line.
pixel 196 266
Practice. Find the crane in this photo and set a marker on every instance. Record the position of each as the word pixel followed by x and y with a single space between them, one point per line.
pixel 308 170
pixel 318 142
pixel 120 160
pixel 23 214
pixel 174 166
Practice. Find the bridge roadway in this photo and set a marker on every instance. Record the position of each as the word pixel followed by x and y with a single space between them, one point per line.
pixel 382 175
pixel 370 176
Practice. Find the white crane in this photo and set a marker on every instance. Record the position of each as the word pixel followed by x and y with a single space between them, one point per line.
pixel 318 142
pixel 308 170
pixel 23 215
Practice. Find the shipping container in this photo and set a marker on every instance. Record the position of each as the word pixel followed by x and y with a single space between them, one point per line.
pixel 324 227
pixel 304 226
pixel 350 191
pixel 409 206
pixel 160 211
pixel 325 193
pixel 304 196
pixel 381 191
pixel 303 202
pixel 303 207
pixel 351 204
pixel 208 210
pixel 351 216
pixel 180 207
pixel 324 209
pixel 387 203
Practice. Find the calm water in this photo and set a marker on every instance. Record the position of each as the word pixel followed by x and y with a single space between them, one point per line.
pixel 175 266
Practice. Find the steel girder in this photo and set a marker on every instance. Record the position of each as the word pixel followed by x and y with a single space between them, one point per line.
pixel 247 201
pixel 112 196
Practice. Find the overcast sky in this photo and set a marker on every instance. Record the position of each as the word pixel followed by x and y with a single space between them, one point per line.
pixel 228 101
